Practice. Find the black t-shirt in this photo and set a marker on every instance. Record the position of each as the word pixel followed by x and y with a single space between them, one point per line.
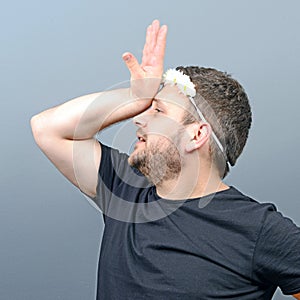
pixel 222 246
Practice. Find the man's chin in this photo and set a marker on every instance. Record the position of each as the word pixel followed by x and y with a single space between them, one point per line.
pixel 133 159
pixel 130 160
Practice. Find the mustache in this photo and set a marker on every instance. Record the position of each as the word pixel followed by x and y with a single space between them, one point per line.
pixel 140 132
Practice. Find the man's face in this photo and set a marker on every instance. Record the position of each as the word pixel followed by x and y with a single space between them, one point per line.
pixel 158 152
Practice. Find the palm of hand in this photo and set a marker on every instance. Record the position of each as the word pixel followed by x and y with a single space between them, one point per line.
pixel 146 77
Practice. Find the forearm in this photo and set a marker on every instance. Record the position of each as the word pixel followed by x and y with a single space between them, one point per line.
pixel 82 117
pixel 65 133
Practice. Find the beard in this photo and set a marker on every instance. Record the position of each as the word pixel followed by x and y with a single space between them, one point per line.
pixel 159 162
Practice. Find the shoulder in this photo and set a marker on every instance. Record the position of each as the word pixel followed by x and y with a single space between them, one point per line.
pixel 241 205
pixel 267 211
pixel 111 155
pixel 116 173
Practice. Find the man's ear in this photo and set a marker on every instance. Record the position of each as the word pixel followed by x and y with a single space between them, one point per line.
pixel 199 134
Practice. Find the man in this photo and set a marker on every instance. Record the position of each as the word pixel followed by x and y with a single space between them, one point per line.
pixel 173 228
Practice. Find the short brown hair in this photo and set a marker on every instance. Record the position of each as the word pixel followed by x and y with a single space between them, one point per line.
pixel 225 105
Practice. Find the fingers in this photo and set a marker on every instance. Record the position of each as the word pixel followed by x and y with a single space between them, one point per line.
pixel 160 47
pixel 148 45
pixel 153 53
pixel 155 29
pixel 151 40
pixel 133 66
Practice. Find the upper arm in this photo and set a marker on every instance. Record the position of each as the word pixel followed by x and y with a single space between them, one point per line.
pixel 276 257
pixel 77 160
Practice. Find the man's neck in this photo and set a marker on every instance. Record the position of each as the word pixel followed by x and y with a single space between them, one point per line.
pixel 191 184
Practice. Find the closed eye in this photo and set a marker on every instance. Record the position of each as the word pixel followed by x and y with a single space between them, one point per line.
pixel 158 106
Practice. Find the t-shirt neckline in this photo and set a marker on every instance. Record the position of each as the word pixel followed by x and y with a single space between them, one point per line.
pixel 211 195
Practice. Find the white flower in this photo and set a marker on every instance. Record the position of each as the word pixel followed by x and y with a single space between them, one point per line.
pixel 184 83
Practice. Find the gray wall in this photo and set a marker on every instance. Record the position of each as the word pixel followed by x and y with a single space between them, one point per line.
pixel 52 51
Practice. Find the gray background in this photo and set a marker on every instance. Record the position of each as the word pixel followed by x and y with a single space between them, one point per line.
pixel 52 51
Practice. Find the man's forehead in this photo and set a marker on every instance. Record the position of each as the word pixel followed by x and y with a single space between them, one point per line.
pixel 171 95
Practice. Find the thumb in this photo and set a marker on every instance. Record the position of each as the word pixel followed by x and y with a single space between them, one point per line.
pixel 133 66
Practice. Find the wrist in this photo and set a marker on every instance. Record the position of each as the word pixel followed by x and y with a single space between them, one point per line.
pixel 145 88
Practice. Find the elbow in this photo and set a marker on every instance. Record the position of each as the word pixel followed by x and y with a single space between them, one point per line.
pixel 33 123
pixel 37 125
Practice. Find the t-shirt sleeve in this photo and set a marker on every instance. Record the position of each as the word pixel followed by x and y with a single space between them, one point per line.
pixel 113 165
pixel 117 182
pixel 276 259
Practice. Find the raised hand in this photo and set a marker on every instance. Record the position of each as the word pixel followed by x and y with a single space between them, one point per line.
pixel 146 77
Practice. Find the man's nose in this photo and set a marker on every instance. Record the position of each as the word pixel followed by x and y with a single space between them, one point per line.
pixel 140 120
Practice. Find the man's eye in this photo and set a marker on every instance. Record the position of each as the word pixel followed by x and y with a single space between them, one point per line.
pixel 157 109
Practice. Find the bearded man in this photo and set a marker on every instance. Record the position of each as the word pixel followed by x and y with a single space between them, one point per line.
pixel 173 228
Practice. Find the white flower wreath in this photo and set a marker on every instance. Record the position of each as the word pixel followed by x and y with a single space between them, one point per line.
pixel 184 83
